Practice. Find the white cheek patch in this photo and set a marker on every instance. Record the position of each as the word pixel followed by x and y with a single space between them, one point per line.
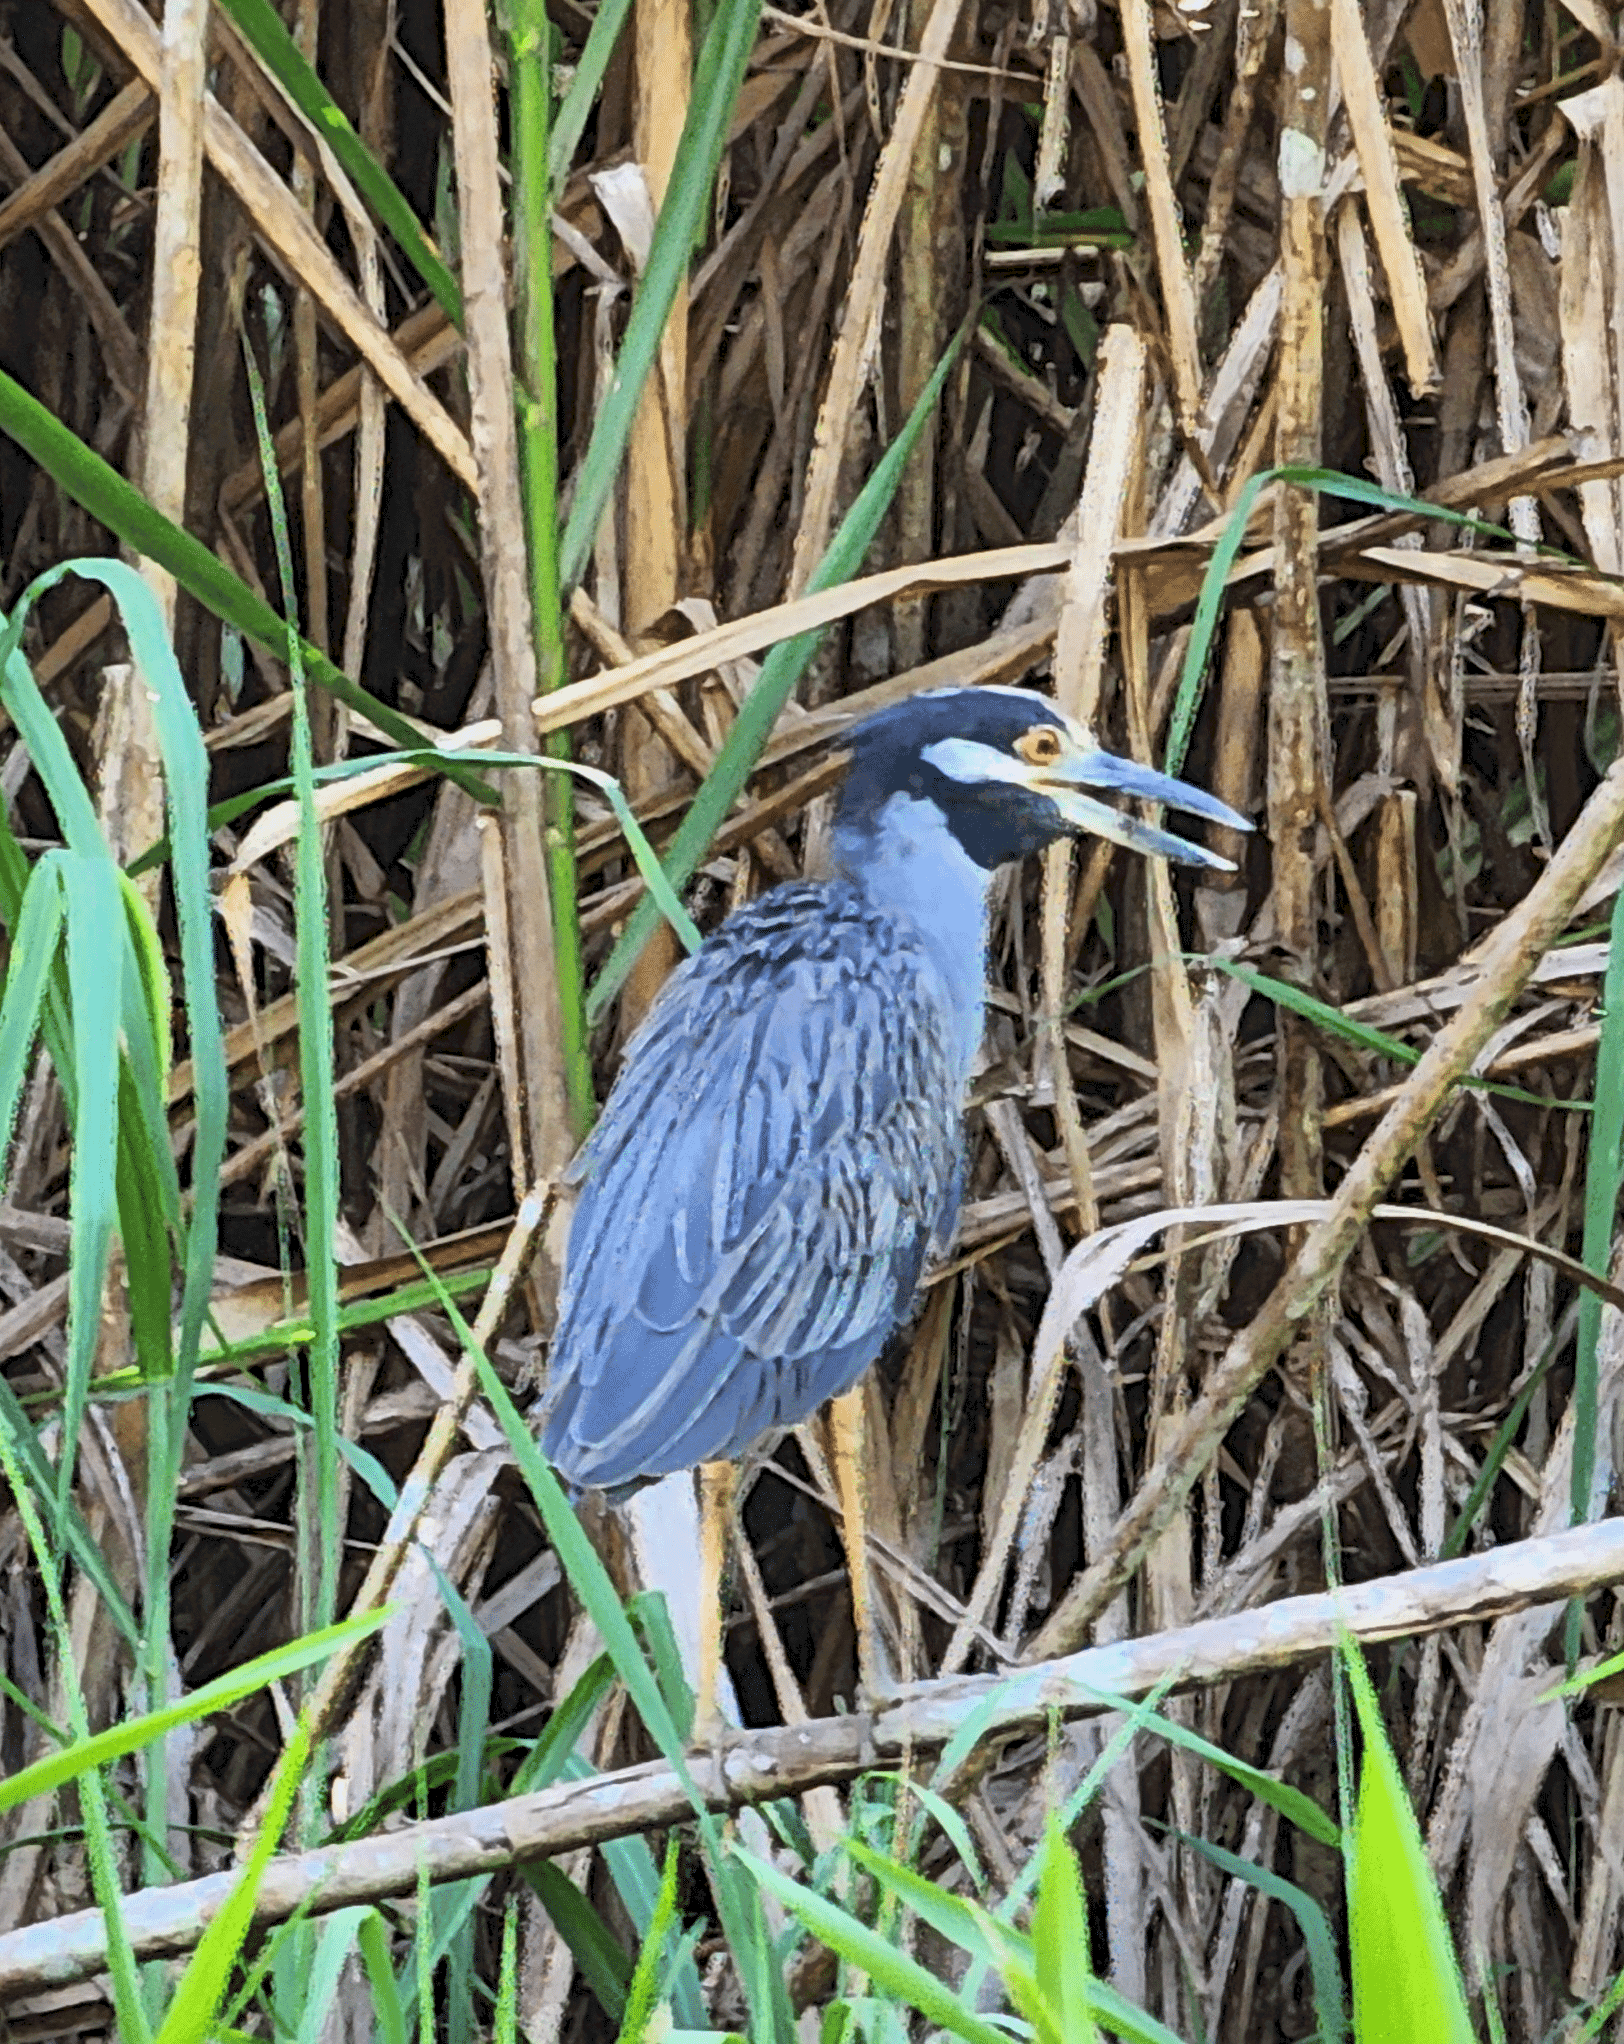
pixel 966 760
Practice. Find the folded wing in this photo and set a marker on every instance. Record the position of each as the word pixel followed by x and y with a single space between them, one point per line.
pixel 779 1155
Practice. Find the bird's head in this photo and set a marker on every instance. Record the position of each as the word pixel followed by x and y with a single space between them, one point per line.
pixel 1010 773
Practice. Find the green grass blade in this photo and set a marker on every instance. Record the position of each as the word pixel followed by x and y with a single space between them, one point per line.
pixel 20 1701
pixel 186 782
pixel 1065 1978
pixel 47 748
pixel 1352 489
pixel 1330 2001
pixel 645 1980
pixel 1346 1027
pixel 281 1955
pixel 315 1051
pixel 132 2022
pixel 370 1470
pixel 661 893
pixel 550 1754
pixel 372 1940
pixel 94 908
pixel 1193 675
pixel 631 1868
pixel 575 108
pixel 990 1941
pixel 587 1575
pixel 760 710
pixel 99 488
pixel 148 1266
pixel 220 1694
pixel 334 1941
pixel 718 74
pixel 1599 2016
pixel 1280 1796
pixel 285 1335
pixel 146 1187
pixel 530 38
pixel 604 1965
pixel 145 1191
pixel 954 1755
pixel 208 1973
pixel 1505 1435
pixel 35 933
pixel 149 995
pixel 506 2029
pixel 1604 1170
pixel 23 1444
pixel 542 1764
pixel 1360 1034
pixel 262 28
pixel 947 1820
pixel 454 1907
pixel 1324 481
pixel 651 1619
pixel 147 1262
pixel 146 1183
pixel 75 813
pixel 1407 1986
pixel 890 1969
pixel 1576 1685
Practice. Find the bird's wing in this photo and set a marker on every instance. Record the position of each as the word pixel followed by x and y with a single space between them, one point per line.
pixel 757 1201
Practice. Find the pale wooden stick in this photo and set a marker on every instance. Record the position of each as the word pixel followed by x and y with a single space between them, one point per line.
pixel 760 1765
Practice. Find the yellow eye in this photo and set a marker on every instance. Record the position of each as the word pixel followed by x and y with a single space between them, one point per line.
pixel 1041 746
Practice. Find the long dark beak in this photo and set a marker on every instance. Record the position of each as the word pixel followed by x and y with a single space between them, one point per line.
pixel 1075 770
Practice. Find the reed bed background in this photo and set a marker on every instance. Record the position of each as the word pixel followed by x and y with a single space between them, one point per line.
pixel 459 478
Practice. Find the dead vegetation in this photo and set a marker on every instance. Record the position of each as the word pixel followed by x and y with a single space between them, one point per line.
pixel 1192 244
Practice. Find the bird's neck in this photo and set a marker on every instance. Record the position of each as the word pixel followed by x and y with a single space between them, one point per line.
pixel 909 865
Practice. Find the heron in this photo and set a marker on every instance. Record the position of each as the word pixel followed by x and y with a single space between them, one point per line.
pixel 783 1150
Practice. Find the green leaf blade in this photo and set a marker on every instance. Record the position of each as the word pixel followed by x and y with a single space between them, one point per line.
pixel 1064 1974
pixel 780 672
pixel 222 1693
pixel 1407 1987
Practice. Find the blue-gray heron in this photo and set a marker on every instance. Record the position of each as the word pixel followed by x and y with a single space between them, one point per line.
pixel 783 1148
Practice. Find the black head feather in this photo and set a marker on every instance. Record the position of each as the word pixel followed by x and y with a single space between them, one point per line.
pixel 994 821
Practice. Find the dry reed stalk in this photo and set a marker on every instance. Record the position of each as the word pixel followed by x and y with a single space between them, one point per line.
pixel 655 490
pixel 541 1138
pixel 1509 960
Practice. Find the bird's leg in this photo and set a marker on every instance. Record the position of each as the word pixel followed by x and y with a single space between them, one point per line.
pixel 846 1441
pixel 716 1482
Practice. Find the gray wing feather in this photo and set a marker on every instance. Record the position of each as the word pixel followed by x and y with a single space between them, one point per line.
pixel 756 1207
